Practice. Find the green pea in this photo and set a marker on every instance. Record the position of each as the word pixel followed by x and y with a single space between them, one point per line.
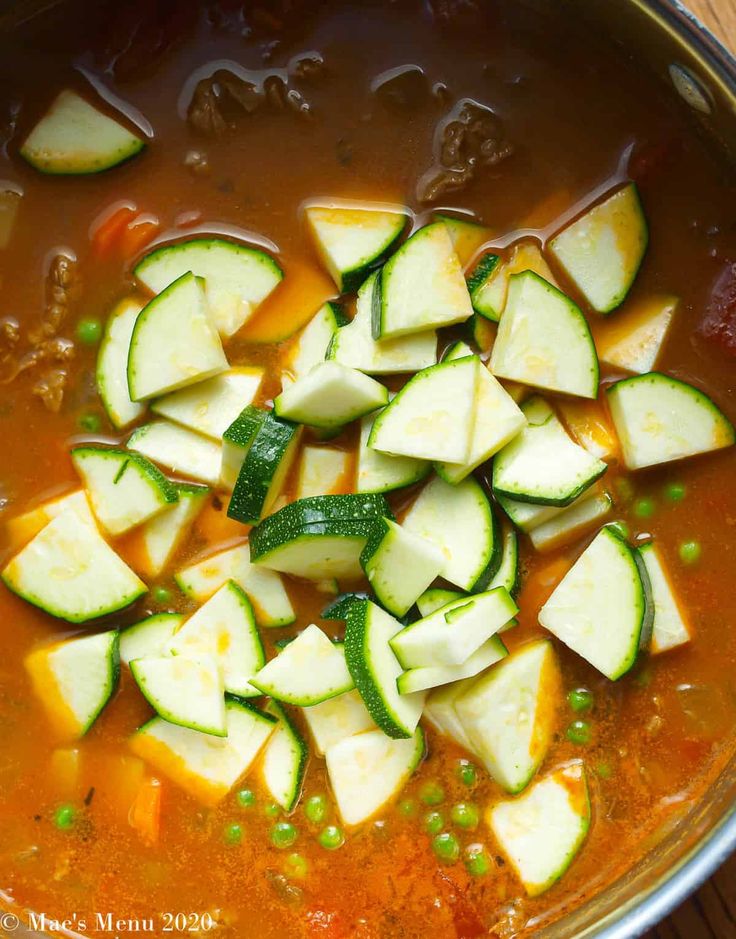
pixel 434 823
pixel 90 423
pixel 620 527
pixel 89 331
pixel 446 847
pixel 331 837
pixel 675 492
pixel 407 808
pixel 271 810
pixel 689 552
pixel 315 808
pixel 579 732
pixel 477 860
pixel 283 834
pixel 644 508
pixel 246 798
pixel 580 699
pixel 467 772
pixel 161 594
pixel 432 793
pixel 233 833
pixel 296 866
pixel 64 817
pixel 465 815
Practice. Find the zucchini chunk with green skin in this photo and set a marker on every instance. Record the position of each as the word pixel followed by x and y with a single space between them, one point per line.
pixel 205 766
pixel 265 468
pixel 433 416
pixel 399 565
pixel 353 241
pixel 543 464
pixel 602 251
pixel 482 275
pixel 421 287
pixel 381 472
pixel 368 771
pixel 264 588
pixel 509 715
pixel 489 291
pixel 338 609
pixel 337 718
pixel 375 669
pixel 670 628
pixel 21 528
pixel 354 345
pixel 75 138
pixel 461 522
pixel 527 516
pixel 284 760
pixel 330 396
pixel 311 669
pixel 112 365
pixel 507 575
pixel 124 489
pixel 174 343
pixel 225 630
pixel 450 635
pixel 436 597
pixel 162 535
pixel 467 236
pixel 75 679
pixel 184 691
pixel 634 339
pixel 70 571
pixel 322 471
pixel 600 607
pixel 544 340
pixel 237 277
pixel 431 676
pixel 441 713
pixel 583 514
pixel 319 537
pixel 659 419
pixel 236 442
pixel 311 346
pixel 211 406
pixel 150 637
pixel 179 450
pixel 541 832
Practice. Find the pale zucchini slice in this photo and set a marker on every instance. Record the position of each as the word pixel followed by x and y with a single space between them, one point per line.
pixel 75 138
pixel 577 518
pixel 461 522
pixel 510 714
pixel 211 406
pixel 309 670
pixel 284 760
pixel 634 339
pixel 179 450
pixel 337 718
pixel 489 282
pixel 542 464
pixel 399 565
pixel 237 440
pixel 264 588
pixel 71 572
pixel 600 608
pixel 330 396
pixel 466 235
pixel 310 347
pixel 602 251
pixel 75 679
pixel 375 669
pixel 354 345
pixel 590 426
pixel 352 241
pixel 205 766
pixel 451 634
pixel 441 713
pixel 21 528
pixel 237 278
pixel 150 637
pixel 432 676
pixel 670 628
pixel 507 575
pixel 323 471
pixel 369 770
pixel 112 365
pixel 541 832
pixel 225 630
pixel 544 340
pixel 433 416
pixel 381 472
pixel 184 691
pixel 659 419
pixel 124 488
pixel 161 536
pixel 436 597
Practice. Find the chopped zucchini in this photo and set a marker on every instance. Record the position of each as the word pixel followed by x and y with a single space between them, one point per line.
pixel 75 138
pixel 179 449
pixel 432 676
pixel 467 236
pixel 572 521
pixel 236 442
pixel 187 692
pixel 337 718
pixel 440 711
pixel 589 425
pixel 478 280
pixel 489 282
pixel 659 419
pixel 284 760
pixel 211 406
pixel 510 714
pixel 381 472
pixel 634 339
pixel 436 597
pixel 21 528
pixel 322 471
pixel 507 575
pixel 162 535
pixel 150 637
pixel 112 365
pixel 670 628
pixel 602 251
pixel 74 679
pixel 237 278
pixel 330 396
pixel 310 348
pixel 367 771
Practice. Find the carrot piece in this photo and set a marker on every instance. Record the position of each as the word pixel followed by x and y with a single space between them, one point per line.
pixel 137 234
pixel 108 229
pixel 145 813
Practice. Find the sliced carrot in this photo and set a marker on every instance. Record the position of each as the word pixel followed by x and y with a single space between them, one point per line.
pixel 137 234
pixel 105 232
pixel 145 813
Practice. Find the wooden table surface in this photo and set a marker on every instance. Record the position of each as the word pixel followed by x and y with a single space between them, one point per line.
pixel 711 912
